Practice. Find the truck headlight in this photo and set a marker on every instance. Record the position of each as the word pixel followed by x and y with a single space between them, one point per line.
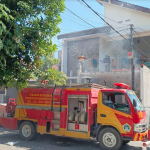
pixel 139 128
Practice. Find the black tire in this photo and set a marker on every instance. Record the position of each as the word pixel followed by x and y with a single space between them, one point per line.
pixel 113 132
pixel 125 142
pixel 30 135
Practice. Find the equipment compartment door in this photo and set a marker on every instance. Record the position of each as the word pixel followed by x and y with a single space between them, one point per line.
pixel 115 111
pixel 78 113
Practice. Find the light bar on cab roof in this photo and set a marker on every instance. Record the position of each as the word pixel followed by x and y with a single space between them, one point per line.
pixel 122 86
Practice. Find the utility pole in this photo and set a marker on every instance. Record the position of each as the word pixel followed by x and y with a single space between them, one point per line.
pixel 132 63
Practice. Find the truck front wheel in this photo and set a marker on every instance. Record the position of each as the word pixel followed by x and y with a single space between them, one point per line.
pixel 27 131
pixel 109 139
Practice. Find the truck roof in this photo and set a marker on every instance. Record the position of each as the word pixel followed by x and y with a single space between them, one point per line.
pixel 114 89
pixel 86 85
pixel 79 86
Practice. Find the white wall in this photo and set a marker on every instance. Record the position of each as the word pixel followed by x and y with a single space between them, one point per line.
pixel 145 90
pixel 64 57
pixel 145 86
pixel 118 13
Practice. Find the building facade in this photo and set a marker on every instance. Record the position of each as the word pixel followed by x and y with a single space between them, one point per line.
pixel 105 50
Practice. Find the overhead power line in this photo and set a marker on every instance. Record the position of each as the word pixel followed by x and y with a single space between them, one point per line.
pixel 103 45
pixel 112 32
pixel 84 19
pixel 110 25
pixel 75 22
pixel 87 6
pixel 142 38
pixel 103 19
pixel 147 31
pixel 89 24
pixel 90 20
pixel 104 33
pixel 80 17
pixel 101 14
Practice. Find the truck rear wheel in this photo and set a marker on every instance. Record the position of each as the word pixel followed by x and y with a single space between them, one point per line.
pixel 109 139
pixel 27 131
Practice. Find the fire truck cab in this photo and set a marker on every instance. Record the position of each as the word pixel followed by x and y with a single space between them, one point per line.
pixel 114 116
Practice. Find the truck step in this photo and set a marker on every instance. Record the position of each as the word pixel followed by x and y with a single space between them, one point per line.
pixel 56 122
pixel 56 115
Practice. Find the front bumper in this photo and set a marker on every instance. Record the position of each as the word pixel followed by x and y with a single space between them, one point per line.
pixel 140 136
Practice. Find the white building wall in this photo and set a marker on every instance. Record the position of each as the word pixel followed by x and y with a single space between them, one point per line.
pixel 117 13
pixel 145 86
pixel 145 89
pixel 64 57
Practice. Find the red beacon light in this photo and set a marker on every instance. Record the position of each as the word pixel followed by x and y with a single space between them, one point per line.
pixel 122 86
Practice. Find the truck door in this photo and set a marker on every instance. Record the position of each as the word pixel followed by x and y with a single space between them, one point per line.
pixel 115 111
pixel 77 119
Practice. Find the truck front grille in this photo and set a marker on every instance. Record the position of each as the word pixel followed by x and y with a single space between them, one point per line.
pixel 144 127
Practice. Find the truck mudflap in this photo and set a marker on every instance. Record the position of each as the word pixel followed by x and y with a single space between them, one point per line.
pixel 8 123
pixel 140 136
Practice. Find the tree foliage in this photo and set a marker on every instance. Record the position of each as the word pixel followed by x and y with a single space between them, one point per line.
pixel 47 72
pixel 26 30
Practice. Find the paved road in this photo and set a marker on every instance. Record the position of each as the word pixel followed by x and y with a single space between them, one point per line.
pixel 49 142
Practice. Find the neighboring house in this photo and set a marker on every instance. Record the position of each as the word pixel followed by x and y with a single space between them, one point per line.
pixel 5 94
pixel 85 42
pixel 106 51
pixel 126 13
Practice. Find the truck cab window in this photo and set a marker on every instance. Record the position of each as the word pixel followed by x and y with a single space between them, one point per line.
pixel 116 101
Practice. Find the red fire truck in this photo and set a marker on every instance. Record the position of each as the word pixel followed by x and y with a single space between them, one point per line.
pixel 114 116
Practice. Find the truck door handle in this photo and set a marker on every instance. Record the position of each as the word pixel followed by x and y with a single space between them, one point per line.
pixel 102 115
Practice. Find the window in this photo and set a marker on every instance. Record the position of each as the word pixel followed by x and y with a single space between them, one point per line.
pixel 133 97
pixel 116 101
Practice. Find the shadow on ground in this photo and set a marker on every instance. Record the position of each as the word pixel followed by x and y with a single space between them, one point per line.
pixel 51 142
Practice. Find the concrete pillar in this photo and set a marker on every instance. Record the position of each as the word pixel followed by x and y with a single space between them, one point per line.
pixel 64 57
pixel 79 73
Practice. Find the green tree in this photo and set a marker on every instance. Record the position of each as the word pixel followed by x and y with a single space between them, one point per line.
pixel 26 30
pixel 46 72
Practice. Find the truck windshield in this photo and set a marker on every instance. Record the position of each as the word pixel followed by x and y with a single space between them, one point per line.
pixel 135 99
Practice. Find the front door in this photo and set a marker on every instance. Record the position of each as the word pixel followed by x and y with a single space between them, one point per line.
pixel 115 111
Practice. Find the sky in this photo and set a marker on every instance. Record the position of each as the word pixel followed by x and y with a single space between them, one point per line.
pixel 71 23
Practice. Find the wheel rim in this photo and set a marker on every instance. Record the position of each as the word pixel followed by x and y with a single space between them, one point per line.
pixel 26 131
pixel 109 139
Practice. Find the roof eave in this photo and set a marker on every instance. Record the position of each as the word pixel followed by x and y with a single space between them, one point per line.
pixel 126 5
